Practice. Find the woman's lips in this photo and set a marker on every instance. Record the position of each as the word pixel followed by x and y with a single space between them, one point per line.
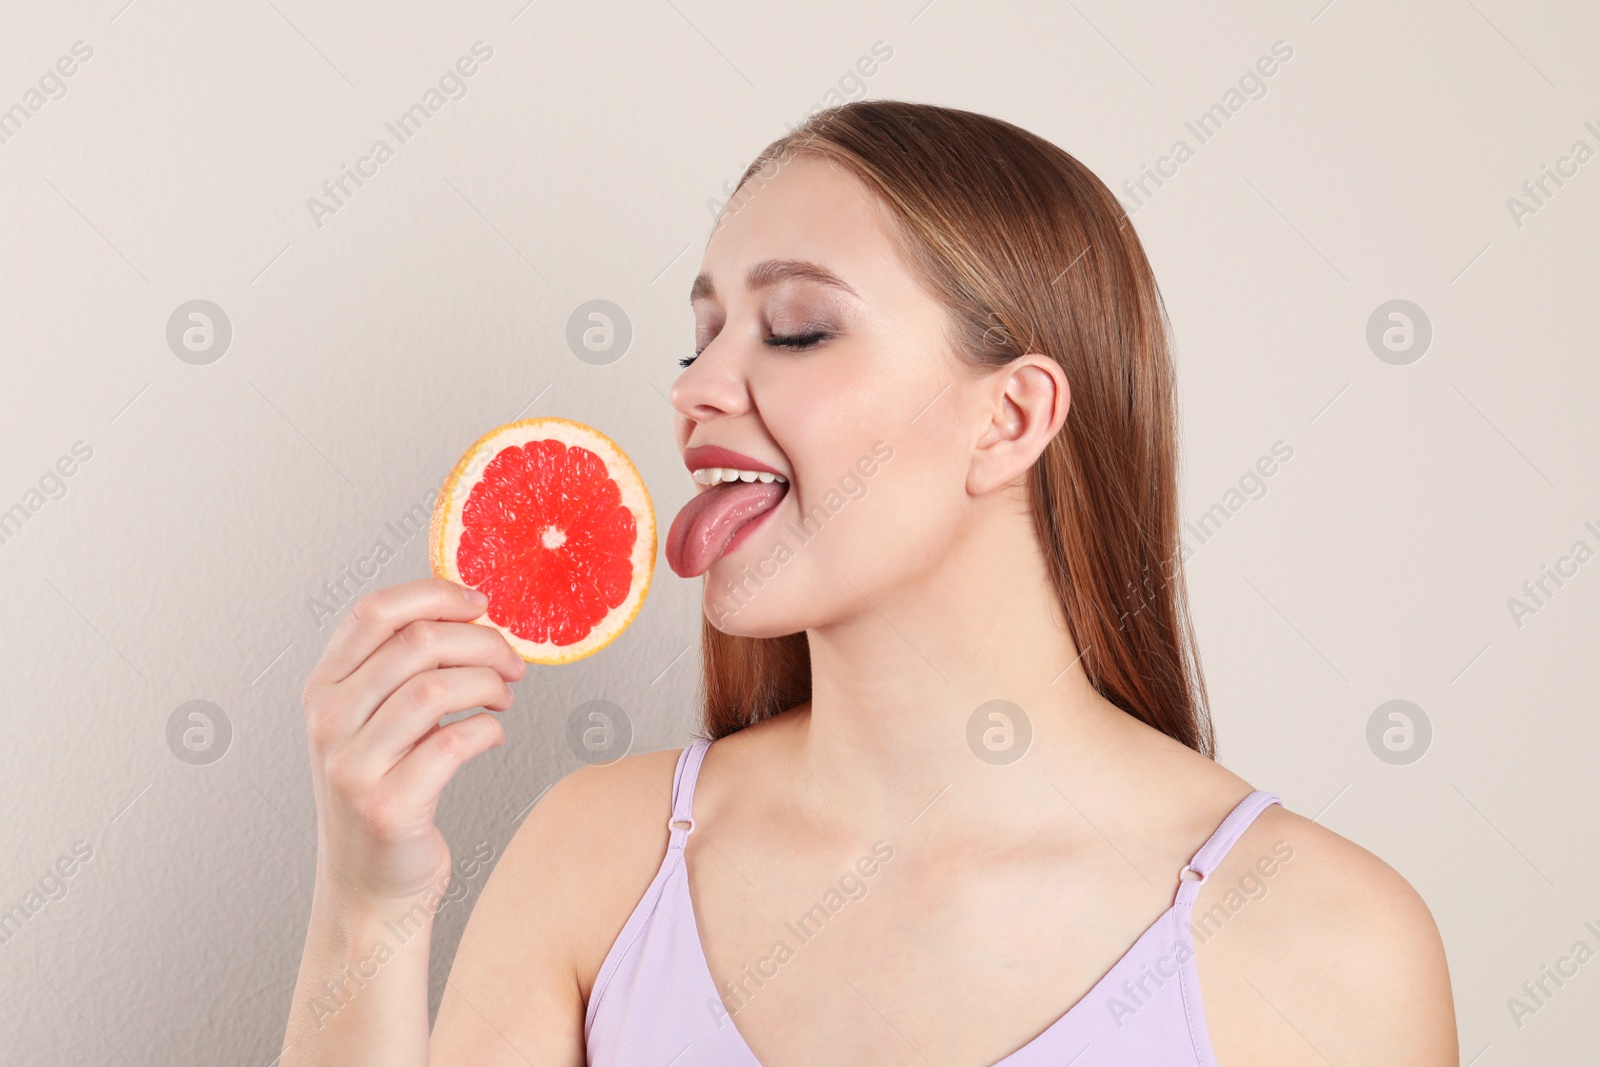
pixel 706 525
pixel 698 456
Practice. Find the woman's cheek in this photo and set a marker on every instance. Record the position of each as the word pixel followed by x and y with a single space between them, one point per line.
pixel 895 516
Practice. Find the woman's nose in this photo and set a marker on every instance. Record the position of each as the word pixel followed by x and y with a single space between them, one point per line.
pixel 713 385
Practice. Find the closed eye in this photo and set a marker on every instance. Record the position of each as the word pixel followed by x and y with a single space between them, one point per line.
pixel 799 340
pixel 794 341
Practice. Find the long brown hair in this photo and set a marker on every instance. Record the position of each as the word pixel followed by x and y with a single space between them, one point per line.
pixel 1029 252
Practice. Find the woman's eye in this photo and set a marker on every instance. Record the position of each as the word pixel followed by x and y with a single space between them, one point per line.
pixel 799 340
pixel 794 341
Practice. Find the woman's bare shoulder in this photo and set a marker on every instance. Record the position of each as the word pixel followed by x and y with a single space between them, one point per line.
pixel 556 901
pixel 1312 950
pixel 593 843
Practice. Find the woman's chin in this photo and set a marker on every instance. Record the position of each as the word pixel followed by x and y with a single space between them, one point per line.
pixel 752 616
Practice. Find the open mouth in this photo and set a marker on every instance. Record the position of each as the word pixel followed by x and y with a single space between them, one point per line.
pixel 720 516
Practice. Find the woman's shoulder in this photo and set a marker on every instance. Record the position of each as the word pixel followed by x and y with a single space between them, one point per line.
pixel 577 866
pixel 1310 947
pixel 571 876
pixel 592 844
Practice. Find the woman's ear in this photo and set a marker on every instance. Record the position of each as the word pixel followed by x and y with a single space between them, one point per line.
pixel 1030 402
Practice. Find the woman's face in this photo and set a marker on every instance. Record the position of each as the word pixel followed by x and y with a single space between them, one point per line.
pixel 822 358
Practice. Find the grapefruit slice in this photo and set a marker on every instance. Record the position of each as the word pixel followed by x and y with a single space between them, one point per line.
pixel 551 521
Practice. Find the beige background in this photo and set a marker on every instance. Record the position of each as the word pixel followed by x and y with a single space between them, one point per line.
pixel 369 351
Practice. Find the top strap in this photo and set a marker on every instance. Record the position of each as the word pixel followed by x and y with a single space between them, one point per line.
pixel 682 822
pixel 1194 874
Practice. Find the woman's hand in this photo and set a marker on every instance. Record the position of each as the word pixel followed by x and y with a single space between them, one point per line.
pixel 405 656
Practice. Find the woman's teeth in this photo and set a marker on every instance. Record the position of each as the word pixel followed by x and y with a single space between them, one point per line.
pixel 717 475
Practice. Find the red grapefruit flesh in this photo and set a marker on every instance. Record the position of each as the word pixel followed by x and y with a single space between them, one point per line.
pixel 550 520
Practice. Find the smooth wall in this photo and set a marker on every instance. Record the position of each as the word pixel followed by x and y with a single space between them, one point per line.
pixel 1374 226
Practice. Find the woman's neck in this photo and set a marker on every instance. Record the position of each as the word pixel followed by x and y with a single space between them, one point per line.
pixel 897 687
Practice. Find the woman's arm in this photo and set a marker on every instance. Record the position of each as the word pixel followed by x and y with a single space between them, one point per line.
pixel 406 656
pixel 362 993
pixel 550 912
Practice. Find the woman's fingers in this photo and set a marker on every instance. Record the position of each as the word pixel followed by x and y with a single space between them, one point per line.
pixel 426 769
pixel 406 657
pixel 414 709
pixel 382 613
pixel 419 646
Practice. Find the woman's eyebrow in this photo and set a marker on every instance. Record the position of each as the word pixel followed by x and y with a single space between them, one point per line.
pixel 770 272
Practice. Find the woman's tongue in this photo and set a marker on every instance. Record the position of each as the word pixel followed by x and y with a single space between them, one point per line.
pixel 708 522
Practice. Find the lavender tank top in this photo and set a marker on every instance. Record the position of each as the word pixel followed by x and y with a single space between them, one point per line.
pixel 655 1001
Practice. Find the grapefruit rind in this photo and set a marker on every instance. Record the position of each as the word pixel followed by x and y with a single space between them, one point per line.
pixel 445 526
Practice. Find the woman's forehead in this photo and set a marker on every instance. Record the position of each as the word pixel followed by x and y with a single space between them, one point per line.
pixel 803 213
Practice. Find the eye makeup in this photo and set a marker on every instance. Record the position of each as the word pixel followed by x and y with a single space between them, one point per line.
pixel 815 318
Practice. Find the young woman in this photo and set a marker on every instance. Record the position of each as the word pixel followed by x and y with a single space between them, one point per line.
pixel 961 807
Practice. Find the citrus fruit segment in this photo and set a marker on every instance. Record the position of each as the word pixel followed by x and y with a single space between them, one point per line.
pixel 551 521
